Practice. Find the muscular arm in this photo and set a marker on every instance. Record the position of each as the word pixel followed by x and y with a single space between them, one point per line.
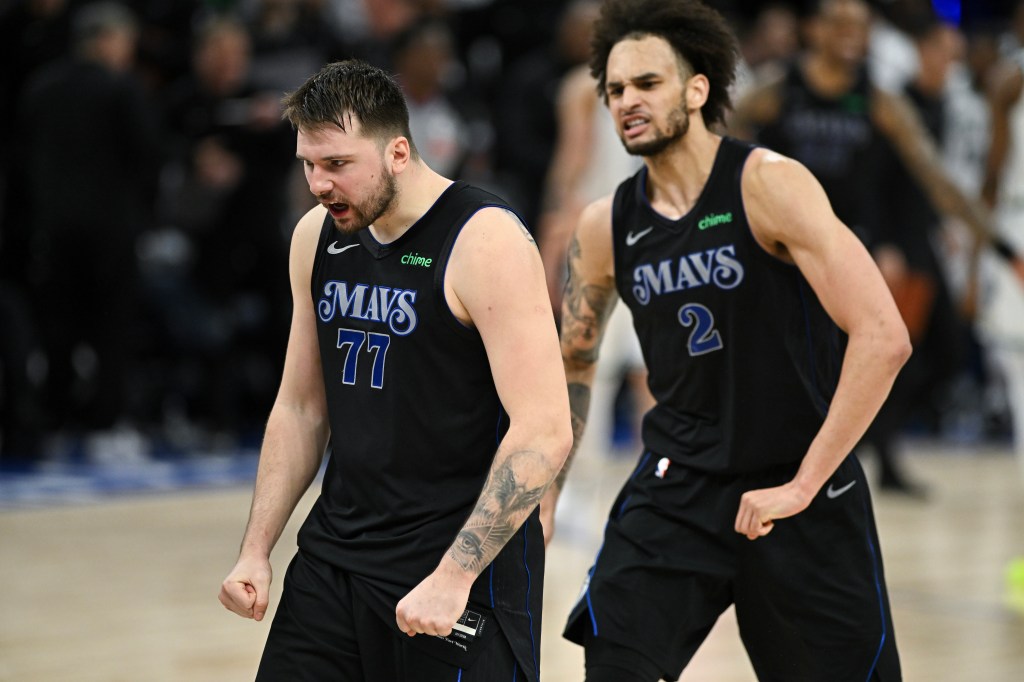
pixel 588 301
pixel 791 217
pixel 495 282
pixel 294 442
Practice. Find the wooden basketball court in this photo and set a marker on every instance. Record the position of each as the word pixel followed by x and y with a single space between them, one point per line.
pixel 126 589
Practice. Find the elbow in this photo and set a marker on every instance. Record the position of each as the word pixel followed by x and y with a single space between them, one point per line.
pixel 898 348
pixel 558 439
pixel 558 442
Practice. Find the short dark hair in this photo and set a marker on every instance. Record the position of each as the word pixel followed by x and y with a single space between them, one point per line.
pixel 697 33
pixel 350 88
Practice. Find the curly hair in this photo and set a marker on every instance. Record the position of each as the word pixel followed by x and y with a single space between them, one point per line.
pixel 350 88
pixel 697 33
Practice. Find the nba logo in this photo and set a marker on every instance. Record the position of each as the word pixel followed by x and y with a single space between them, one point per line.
pixel 662 467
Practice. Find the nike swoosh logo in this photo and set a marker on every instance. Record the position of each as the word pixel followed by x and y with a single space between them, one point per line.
pixel 634 238
pixel 333 247
pixel 833 493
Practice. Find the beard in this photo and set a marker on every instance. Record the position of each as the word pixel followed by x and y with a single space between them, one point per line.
pixel 380 201
pixel 678 125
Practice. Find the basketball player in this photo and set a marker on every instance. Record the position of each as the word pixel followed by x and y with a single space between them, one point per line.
pixel 421 342
pixel 827 114
pixel 740 279
pixel 1002 310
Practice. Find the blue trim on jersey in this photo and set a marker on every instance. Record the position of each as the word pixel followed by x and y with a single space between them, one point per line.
pixel 590 581
pixel 881 602
pixel 515 671
pixel 816 396
pixel 490 579
pixel 533 642
pixel 622 507
pixel 593 569
pixel 590 604
pixel 459 678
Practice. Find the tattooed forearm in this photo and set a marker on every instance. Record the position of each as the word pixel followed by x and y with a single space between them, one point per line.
pixel 504 504
pixel 585 309
pixel 579 406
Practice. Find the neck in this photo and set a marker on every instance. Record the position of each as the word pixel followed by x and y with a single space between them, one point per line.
pixel 418 189
pixel 676 177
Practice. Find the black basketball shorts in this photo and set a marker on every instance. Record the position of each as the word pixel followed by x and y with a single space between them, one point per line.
pixel 328 628
pixel 810 596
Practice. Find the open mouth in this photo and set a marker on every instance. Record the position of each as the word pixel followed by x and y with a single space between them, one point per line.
pixel 634 125
pixel 337 209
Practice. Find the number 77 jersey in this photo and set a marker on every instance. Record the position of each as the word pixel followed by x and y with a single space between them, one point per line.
pixel 742 358
pixel 415 417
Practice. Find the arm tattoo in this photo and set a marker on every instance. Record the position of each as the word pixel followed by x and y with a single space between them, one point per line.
pixel 504 504
pixel 522 227
pixel 579 405
pixel 585 310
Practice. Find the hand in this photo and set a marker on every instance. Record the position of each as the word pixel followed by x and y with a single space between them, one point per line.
pixel 760 508
pixel 246 590
pixel 437 603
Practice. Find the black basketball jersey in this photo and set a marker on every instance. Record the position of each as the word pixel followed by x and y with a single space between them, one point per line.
pixel 836 140
pixel 742 358
pixel 415 416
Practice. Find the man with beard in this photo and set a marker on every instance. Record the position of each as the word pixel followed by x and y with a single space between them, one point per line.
pixel 740 278
pixel 876 158
pixel 421 342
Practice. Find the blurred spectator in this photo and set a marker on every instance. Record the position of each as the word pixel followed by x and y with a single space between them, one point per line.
pixel 32 33
pixel 892 55
pixel 589 162
pixel 89 139
pixel 905 247
pixel 1012 39
pixel 222 210
pixel 368 27
pixel 1002 305
pixel 826 113
pixel 767 44
pixel 1002 320
pixel 22 418
pixel 525 111
pixel 977 405
pixel 290 40
pixel 452 131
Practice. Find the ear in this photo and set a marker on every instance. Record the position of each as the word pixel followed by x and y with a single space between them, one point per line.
pixel 398 154
pixel 697 89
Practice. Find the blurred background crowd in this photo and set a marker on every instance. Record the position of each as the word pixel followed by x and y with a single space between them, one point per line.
pixel 148 187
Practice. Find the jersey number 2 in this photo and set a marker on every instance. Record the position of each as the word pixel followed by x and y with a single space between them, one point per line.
pixel 704 338
pixel 352 340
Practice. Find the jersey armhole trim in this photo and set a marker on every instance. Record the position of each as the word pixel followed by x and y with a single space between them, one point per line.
pixel 444 310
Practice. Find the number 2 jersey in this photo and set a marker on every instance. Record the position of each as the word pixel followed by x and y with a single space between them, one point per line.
pixel 742 358
pixel 415 416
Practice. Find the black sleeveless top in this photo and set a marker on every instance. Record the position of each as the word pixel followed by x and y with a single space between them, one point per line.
pixel 415 416
pixel 742 359
pixel 837 141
